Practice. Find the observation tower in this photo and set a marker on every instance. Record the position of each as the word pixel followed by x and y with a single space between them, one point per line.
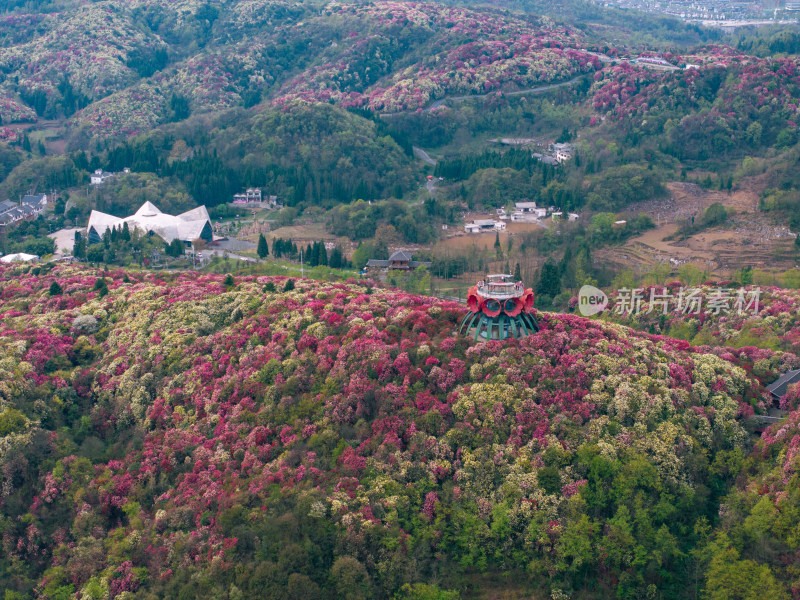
pixel 499 308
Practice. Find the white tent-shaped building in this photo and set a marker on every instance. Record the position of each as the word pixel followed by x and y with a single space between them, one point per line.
pixel 19 257
pixel 191 225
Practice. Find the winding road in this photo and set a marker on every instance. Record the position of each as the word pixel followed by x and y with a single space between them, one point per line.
pixel 424 157
pixel 533 90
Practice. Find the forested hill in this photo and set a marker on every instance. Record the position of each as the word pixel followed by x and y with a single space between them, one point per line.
pixel 254 80
pixel 191 436
pixel 119 68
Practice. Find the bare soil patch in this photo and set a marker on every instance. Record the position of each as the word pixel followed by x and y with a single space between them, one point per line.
pixel 748 240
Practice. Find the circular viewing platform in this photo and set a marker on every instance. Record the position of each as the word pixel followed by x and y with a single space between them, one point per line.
pixel 500 287
pixel 499 308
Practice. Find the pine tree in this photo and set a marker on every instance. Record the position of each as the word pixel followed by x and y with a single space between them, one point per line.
pixel 263 248
pixel 55 289
pixel 336 260
pixel 497 240
pixel 517 273
pixel 126 232
pixel 175 248
pixel 549 280
pixel 79 249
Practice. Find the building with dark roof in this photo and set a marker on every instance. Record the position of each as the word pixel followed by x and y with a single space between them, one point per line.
pixel 39 201
pixel 401 259
pixel 779 388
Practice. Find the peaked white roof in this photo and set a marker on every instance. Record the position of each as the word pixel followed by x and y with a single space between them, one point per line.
pixel 185 227
pixel 18 257
pixel 148 209
pixel 195 214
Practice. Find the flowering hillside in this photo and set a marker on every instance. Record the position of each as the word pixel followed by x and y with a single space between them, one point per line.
pixel 13 111
pixel 112 67
pixel 89 45
pixel 164 433
pixel 729 102
pixel 106 58
pixel 464 52
pixel 710 316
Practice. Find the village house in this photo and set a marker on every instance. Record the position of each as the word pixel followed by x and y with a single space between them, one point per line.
pixel 482 225
pixel 253 198
pixel 546 159
pixel 562 152
pixel 400 259
pixel 99 176
pixel 250 195
pixel 29 208
pixel 528 211
pixel 37 202
pixel 779 388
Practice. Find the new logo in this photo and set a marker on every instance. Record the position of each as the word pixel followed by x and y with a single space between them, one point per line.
pixel 591 301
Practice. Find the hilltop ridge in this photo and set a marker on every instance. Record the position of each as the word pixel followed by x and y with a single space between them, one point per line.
pixel 168 434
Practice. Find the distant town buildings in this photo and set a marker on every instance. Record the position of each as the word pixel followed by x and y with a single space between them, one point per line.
pixel 189 226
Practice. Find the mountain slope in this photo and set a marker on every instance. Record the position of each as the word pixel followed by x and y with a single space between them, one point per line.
pixel 175 434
